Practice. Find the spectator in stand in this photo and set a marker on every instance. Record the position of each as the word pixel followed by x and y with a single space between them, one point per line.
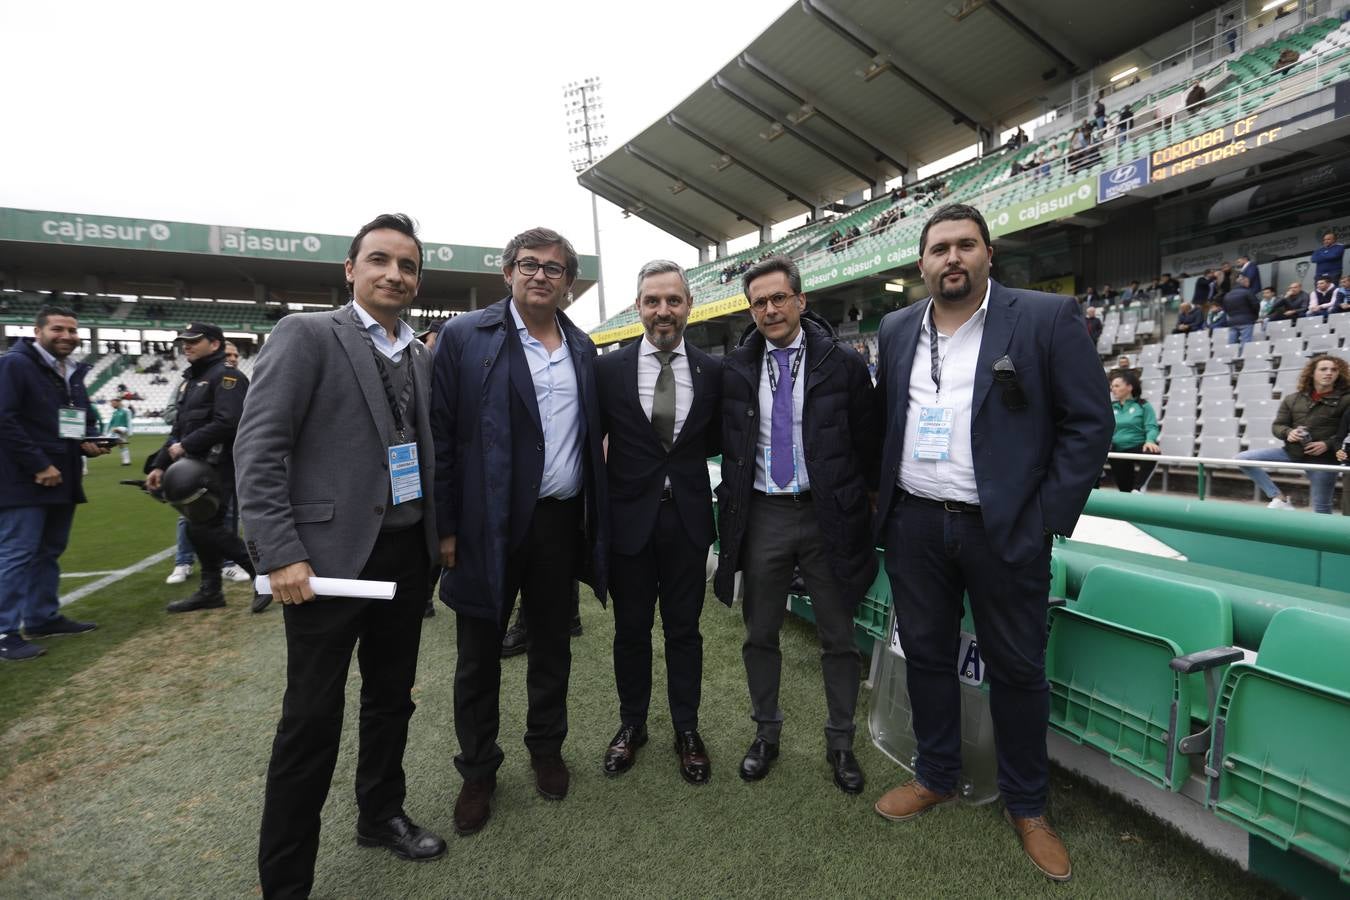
pixel 1293 305
pixel 1136 431
pixel 1214 316
pixel 1223 281
pixel 1307 422
pixel 1246 266
pixel 1267 304
pixel 1241 310
pixel 1168 286
pixel 1190 317
pixel 1288 56
pixel 1094 324
pixel 1329 258
pixel 1078 143
pixel 1131 293
pixel 1194 98
pixel 1342 440
pixel 1322 300
pixel 1341 297
pixel 1124 123
pixel 1092 298
pixel 1203 291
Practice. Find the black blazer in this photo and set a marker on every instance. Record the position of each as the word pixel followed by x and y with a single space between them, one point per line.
pixel 637 463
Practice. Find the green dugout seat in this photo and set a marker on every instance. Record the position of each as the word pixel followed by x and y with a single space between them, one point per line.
pixel 1280 762
pixel 1127 666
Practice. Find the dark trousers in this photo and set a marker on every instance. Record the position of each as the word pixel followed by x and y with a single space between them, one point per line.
pixel 217 539
pixel 1129 474
pixel 782 533
pixel 933 557
pixel 320 636
pixel 541 569
pixel 670 571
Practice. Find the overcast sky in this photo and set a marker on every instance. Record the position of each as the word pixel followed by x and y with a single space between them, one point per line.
pixel 310 116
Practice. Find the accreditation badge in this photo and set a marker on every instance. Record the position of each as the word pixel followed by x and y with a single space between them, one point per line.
pixel 405 473
pixel 771 486
pixel 933 439
pixel 70 423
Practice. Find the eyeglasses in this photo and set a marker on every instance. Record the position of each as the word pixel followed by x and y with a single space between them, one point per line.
pixel 530 267
pixel 777 301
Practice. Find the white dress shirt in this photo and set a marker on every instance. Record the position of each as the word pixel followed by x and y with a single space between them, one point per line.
pixel 952 478
pixel 766 414
pixel 649 367
pixel 559 401
pixel 392 350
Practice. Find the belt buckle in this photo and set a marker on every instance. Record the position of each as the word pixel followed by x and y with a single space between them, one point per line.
pixel 953 506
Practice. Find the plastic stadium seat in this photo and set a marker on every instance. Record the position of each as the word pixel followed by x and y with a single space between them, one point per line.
pixel 1278 758
pixel 1218 427
pixel 1177 443
pixel 1217 406
pixel 1219 447
pixel 1309 326
pixel 1220 385
pixel 1280 328
pixel 1113 681
pixel 1286 380
pixel 1323 342
pixel 1257 431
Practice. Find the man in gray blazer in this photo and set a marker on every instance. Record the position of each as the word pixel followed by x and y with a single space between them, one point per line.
pixel 335 468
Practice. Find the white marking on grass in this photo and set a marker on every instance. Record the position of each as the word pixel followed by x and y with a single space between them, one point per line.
pixel 116 576
pixel 89 574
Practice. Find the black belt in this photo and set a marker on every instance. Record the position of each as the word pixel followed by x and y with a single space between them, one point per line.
pixel 667 494
pixel 803 497
pixel 954 506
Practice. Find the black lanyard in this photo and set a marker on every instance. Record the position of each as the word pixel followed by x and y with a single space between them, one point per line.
pixel 397 406
pixel 936 370
pixel 796 367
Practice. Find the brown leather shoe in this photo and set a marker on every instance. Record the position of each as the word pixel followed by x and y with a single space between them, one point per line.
pixel 909 800
pixel 622 751
pixel 1046 850
pixel 695 767
pixel 474 804
pixel 550 776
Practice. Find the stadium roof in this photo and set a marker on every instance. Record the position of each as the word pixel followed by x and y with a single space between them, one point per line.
pixel 840 95
pixel 52 250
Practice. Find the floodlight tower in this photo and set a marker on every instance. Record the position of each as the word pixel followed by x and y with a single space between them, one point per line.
pixel 586 135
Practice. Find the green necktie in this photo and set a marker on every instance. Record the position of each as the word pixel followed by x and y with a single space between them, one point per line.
pixel 663 400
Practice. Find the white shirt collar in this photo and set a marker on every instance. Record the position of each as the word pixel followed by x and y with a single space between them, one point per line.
pixel 520 323
pixel 405 332
pixel 982 311
pixel 42 351
pixel 795 344
pixel 648 348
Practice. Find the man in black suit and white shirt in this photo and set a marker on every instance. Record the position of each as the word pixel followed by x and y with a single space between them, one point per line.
pixel 659 399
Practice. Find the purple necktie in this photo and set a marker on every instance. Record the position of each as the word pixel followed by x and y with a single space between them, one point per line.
pixel 781 428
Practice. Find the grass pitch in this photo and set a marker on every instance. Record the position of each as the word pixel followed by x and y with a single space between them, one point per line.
pixel 132 763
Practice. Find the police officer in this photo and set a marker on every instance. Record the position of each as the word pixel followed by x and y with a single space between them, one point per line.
pixel 210 400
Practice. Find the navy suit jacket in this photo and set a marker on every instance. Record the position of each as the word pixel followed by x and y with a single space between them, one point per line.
pixel 1034 467
pixel 638 464
pixel 490 454
pixel 30 394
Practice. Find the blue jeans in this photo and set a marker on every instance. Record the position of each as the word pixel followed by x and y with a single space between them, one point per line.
pixel 32 539
pixel 1239 334
pixel 1323 484
pixel 933 559
pixel 185 556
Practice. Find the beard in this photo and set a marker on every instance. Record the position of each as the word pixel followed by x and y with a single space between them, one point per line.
pixel 664 341
pixel 960 292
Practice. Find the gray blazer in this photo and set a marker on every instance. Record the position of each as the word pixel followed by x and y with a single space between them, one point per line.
pixel 310 455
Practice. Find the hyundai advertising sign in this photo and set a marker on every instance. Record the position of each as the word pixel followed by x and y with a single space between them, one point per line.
pixel 1122 179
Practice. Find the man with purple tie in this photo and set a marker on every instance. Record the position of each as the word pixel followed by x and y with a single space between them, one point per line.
pixel 799 447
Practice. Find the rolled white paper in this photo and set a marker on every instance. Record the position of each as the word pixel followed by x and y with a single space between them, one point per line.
pixel 338 587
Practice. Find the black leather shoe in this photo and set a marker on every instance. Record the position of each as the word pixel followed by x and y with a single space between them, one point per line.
pixel 261 602
pixel 474 804
pixel 516 640
pixel 847 773
pixel 199 600
pixel 58 627
pixel 757 759
pixel 622 752
pixel 695 767
pixel 551 777
pixel 402 838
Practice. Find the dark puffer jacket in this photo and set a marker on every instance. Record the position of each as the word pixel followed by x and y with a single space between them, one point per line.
pixel 1322 418
pixel 839 432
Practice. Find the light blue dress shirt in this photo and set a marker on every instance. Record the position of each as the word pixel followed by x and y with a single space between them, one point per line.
pixel 559 402
pixel 55 363
pixel 391 349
